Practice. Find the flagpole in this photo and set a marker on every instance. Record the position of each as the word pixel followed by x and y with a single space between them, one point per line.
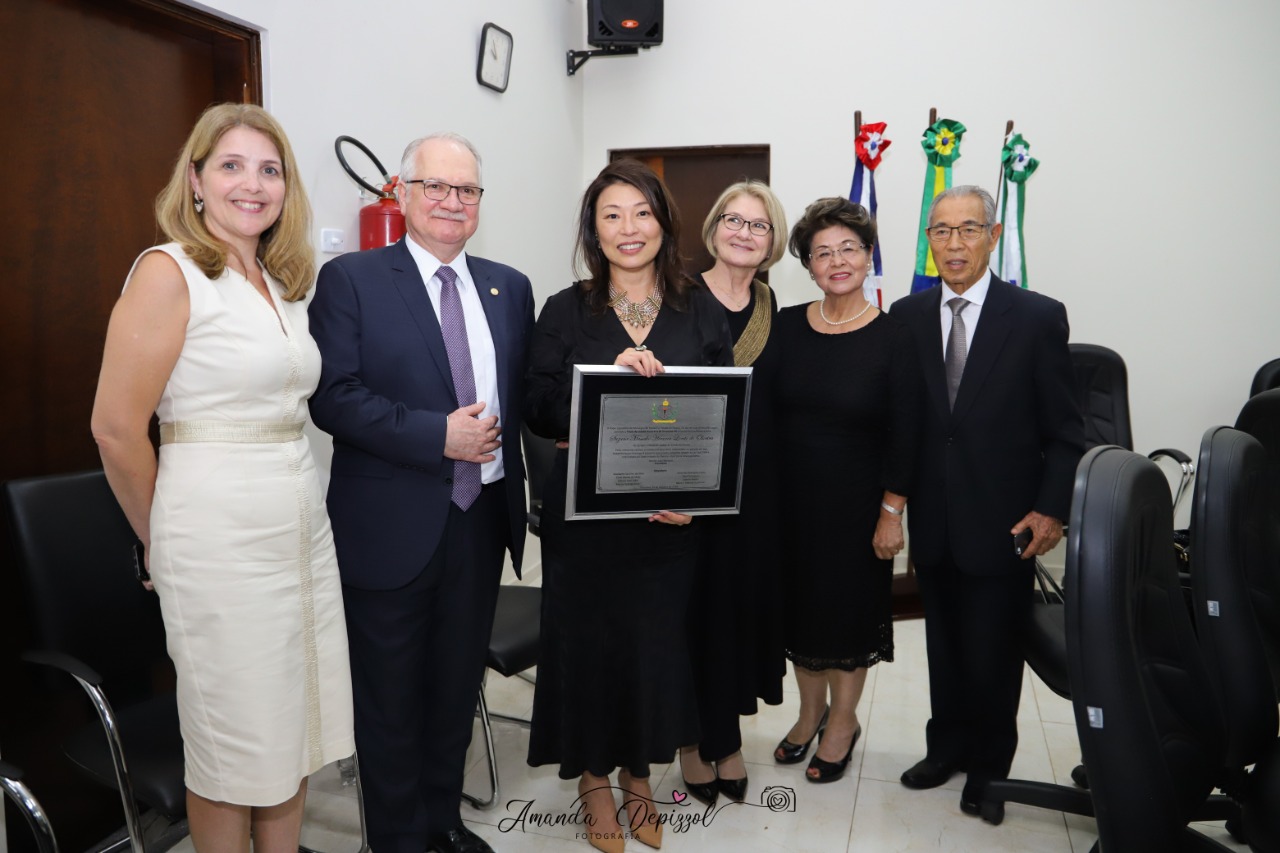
pixel 1000 179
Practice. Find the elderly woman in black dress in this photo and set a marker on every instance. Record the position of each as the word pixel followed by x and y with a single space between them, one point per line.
pixel 615 685
pixel 735 624
pixel 847 393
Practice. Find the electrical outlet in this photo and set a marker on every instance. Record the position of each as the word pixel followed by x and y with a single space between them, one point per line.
pixel 332 241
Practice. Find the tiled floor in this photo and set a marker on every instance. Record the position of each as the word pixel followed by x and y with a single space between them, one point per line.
pixel 867 811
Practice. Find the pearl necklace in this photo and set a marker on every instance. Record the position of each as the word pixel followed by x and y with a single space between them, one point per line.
pixel 823 314
pixel 636 314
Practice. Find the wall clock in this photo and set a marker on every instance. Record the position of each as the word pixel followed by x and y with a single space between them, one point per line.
pixel 493 65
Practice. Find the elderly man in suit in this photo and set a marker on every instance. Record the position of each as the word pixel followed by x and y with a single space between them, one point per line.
pixel 1001 438
pixel 423 349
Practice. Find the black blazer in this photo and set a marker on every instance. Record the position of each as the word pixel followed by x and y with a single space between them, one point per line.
pixel 1013 441
pixel 385 392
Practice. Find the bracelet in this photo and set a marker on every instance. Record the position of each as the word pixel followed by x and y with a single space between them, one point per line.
pixel 884 506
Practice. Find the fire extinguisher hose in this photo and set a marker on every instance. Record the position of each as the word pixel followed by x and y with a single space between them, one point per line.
pixel 337 148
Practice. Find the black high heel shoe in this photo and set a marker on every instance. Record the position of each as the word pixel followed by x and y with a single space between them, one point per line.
pixel 706 792
pixel 793 753
pixel 831 771
pixel 734 789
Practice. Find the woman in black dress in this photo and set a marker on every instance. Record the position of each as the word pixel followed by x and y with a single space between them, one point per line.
pixel 848 394
pixel 615 685
pixel 735 625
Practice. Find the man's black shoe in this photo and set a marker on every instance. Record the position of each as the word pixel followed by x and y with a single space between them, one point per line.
pixel 927 773
pixel 459 840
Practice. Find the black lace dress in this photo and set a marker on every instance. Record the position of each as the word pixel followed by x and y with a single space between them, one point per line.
pixel 848 405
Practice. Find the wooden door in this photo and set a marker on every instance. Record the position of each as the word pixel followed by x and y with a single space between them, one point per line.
pixel 696 176
pixel 99 96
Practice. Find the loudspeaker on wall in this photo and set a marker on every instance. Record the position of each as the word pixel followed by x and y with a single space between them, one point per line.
pixel 630 23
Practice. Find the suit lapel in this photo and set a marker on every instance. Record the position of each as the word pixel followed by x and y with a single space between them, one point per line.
pixel 413 290
pixel 936 374
pixel 993 329
pixel 491 297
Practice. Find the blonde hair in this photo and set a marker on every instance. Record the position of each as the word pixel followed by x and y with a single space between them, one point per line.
pixel 760 191
pixel 284 248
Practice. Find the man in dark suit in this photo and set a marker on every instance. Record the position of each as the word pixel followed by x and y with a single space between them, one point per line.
pixel 1001 438
pixel 423 349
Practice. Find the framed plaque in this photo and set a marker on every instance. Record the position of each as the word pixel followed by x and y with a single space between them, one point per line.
pixel 639 444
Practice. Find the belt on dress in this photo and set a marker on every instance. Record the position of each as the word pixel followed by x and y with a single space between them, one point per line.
pixel 236 432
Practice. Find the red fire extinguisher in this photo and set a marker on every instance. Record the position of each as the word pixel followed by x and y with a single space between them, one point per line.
pixel 381 223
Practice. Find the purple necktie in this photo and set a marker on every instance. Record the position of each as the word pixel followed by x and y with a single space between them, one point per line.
pixel 453 325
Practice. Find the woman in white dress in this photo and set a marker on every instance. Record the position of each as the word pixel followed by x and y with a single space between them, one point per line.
pixel 211 334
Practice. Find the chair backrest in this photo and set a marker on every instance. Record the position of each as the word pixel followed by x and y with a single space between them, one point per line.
pixel 1228 545
pixel 1267 377
pixel 1149 725
pixel 1260 417
pixel 1102 386
pixel 539 454
pixel 74 549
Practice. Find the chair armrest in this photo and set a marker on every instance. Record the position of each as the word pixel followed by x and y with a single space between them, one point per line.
pixel 72 666
pixel 1173 453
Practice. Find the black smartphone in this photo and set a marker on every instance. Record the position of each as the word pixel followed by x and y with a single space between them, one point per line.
pixel 1021 541
pixel 140 562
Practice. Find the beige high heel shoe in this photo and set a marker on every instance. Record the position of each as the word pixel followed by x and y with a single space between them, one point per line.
pixel 646 832
pixel 604 839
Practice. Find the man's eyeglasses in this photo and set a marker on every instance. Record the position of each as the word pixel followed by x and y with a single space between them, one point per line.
pixel 758 227
pixel 969 232
pixel 439 191
pixel 850 251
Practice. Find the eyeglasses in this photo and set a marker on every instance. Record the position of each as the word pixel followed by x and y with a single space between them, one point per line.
pixel 969 232
pixel 758 227
pixel 849 251
pixel 439 191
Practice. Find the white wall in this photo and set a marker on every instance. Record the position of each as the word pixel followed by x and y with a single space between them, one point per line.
pixel 1153 208
pixel 1150 215
pixel 388 71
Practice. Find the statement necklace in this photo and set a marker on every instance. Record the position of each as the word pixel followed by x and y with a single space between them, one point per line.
pixel 636 314
pixel 823 314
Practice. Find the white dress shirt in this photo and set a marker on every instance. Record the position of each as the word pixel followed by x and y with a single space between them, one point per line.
pixel 484 362
pixel 976 294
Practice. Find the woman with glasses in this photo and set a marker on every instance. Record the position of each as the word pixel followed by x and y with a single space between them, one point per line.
pixel 735 625
pixel 847 394
pixel 615 684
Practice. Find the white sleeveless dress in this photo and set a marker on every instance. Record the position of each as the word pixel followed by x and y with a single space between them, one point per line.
pixel 241 549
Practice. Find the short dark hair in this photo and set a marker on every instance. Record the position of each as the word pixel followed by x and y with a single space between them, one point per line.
pixel 587 251
pixel 827 213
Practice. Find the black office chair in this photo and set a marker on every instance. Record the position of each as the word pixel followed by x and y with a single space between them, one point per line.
pixel 1102 391
pixel 1149 724
pixel 1267 378
pixel 1229 545
pixel 95 622
pixel 1260 417
pixel 26 803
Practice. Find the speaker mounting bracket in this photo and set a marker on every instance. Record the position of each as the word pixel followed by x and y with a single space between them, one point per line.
pixel 575 59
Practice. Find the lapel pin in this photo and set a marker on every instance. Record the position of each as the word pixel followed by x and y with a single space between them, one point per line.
pixel 494 291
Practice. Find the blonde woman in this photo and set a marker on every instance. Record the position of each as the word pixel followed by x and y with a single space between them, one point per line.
pixel 211 335
pixel 735 624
